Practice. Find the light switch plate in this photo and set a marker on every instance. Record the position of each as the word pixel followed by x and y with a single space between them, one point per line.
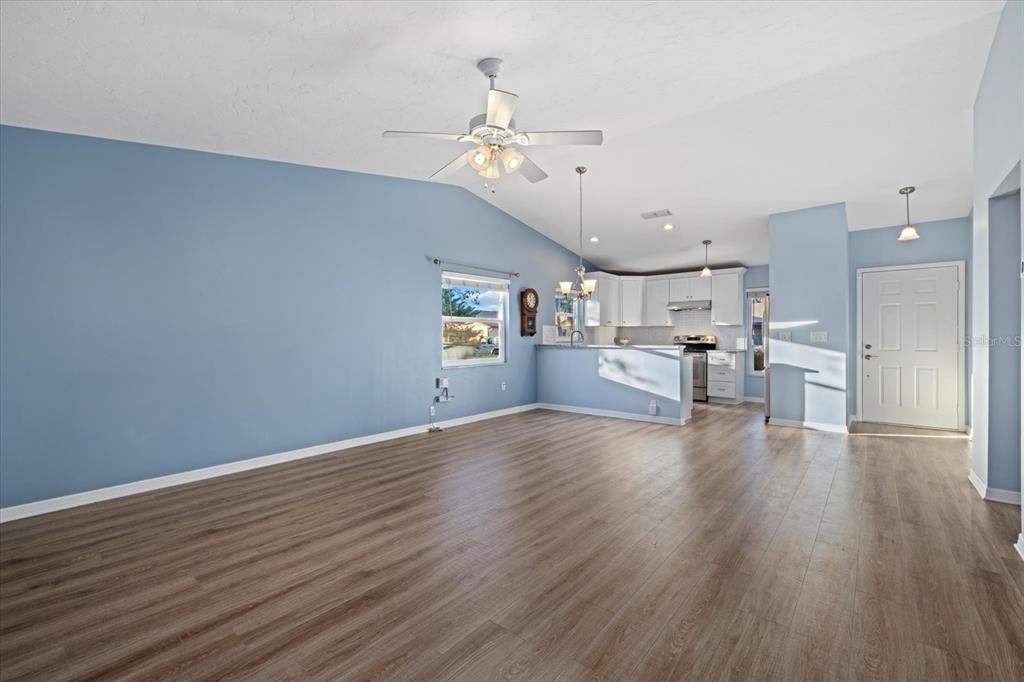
pixel 819 337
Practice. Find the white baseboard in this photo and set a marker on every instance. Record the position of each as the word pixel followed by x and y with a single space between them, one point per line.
pixel 814 426
pixel 22 511
pixel 612 413
pixel 1004 496
pixel 993 494
pixel 1020 545
pixel 978 484
pixel 752 399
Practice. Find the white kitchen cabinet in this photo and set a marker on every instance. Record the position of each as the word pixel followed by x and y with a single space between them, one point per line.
pixel 689 288
pixel 631 301
pixel 725 376
pixel 679 288
pixel 602 309
pixel 727 298
pixel 656 296
pixel 700 288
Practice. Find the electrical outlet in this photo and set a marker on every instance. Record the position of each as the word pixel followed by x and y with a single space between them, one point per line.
pixel 433 410
pixel 652 409
pixel 442 382
pixel 504 386
pixel 819 337
pixel 785 336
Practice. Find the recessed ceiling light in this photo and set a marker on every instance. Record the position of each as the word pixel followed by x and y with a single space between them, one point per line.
pixel 594 239
pixel 669 226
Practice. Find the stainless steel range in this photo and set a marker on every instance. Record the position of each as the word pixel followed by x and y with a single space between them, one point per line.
pixel 697 346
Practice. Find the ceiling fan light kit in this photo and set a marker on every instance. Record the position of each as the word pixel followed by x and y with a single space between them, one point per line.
pixel 495 137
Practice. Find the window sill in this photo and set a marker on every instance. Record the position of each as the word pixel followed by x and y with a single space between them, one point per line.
pixel 463 365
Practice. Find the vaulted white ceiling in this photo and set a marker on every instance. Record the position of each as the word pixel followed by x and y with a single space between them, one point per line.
pixel 721 112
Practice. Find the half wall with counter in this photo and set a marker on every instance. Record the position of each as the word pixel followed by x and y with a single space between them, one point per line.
pixel 646 383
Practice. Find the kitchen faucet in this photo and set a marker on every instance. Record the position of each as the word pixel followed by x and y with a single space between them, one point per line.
pixel 572 337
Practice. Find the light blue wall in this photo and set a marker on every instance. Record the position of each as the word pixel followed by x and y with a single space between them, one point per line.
pixel 165 310
pixel 809 287
pixel 1004 389
pixel 941 240
pixel 998 156
pixel 755 277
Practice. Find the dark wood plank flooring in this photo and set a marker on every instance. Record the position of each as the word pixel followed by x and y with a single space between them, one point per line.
pixel 540 546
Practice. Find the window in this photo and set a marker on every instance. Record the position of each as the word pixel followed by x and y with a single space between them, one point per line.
pixel 473 314
pixel 758 303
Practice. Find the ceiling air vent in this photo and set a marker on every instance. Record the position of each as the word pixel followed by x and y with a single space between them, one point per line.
pixel 651 215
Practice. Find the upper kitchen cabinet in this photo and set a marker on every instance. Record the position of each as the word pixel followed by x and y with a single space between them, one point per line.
pixel 602 309
pixel 679 289
pixel 689 288
pixel 656 298
pixel 727 297
pixel 631 301
pixel 701 288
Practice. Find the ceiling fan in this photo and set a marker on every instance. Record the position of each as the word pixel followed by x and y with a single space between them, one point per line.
pixel 495 137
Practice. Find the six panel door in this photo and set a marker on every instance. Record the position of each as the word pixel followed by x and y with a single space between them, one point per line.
pixel 910 345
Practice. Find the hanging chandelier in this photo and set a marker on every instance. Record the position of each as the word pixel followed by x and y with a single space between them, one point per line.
pixel 909 232
pixel 581 288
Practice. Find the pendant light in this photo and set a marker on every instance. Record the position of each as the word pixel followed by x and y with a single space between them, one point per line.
pixel 582 288
pixel 909 232
pixel 706 272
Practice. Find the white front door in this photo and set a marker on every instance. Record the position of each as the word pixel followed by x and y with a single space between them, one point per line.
pixel 910 346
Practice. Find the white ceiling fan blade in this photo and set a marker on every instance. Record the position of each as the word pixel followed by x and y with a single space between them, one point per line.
pixel 500 105
pixel 446 171
pixel 562 137
pixel 531 171
pixel 454 137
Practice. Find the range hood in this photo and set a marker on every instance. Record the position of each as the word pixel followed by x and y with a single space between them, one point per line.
pixel 704 304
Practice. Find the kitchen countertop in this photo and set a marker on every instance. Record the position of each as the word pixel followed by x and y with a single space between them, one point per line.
pixel 583 346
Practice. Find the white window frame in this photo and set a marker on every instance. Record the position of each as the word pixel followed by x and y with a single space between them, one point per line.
pixel 502 357
pixel 751 295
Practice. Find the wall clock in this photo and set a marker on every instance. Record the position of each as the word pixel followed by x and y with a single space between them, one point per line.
pixel 528 302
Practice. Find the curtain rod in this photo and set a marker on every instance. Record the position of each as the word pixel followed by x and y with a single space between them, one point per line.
pixel 438 261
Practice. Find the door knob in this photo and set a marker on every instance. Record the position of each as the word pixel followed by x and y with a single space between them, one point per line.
pixel 868 346
pixel 868 356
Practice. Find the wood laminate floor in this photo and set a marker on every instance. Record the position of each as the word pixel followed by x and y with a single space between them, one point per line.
pixel 544 545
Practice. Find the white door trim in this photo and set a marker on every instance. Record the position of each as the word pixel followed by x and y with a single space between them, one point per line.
pixel 961 289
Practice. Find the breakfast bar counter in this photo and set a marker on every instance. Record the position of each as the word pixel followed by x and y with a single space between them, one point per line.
pixel 646 383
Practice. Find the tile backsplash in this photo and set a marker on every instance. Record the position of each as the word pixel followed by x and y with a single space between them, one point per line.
pixel 684 322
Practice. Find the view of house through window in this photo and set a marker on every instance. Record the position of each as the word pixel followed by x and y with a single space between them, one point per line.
pixel 473 313
pixel 757 305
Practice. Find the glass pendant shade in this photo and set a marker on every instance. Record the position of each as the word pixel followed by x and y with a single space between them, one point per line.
pixel 706 272
pixel 511 159
pixel 491 171
pixel 589 285
pixel 478 158
pixel 908 233
pixel 565 288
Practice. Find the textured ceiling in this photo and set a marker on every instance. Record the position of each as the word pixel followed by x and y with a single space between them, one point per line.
pixel 722 112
